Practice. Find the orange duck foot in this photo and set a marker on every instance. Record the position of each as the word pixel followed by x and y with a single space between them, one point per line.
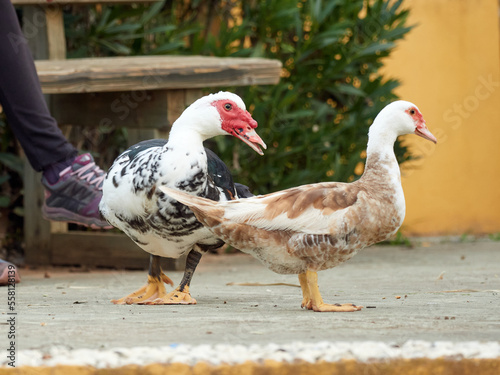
pixel 175 297
pixel 312 299
pixel 154 289
pixel 336 307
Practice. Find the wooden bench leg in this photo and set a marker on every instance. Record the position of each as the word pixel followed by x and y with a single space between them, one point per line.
pixel 36 228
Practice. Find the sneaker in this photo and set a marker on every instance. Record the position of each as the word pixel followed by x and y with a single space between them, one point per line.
pixel 76 195
pixel 8 273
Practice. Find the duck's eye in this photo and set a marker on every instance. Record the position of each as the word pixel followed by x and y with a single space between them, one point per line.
pixel 412 112
pixel 228 106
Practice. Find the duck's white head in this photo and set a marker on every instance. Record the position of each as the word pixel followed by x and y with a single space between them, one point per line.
pixel 221 114
pixel 400 118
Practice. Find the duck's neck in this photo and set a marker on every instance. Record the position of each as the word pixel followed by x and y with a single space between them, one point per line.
pixel 380 155
pixel 195 125
pixel 185 138
pixel 184 160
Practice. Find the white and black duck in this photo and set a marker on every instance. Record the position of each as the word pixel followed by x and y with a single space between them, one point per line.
pixel 160 225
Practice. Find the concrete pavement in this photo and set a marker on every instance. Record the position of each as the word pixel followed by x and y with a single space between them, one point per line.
pixel 440 292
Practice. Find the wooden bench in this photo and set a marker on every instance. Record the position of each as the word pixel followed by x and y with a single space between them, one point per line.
pixel 145 94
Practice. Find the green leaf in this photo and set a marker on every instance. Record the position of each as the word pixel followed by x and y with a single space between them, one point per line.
pixel 124 28
pixel 12 162
pixel 104 19
pixel 348 89
pixel 4 179
pixel 167 47
pixel 161 29
pixel 4 201
pixel 152 12
pixel 375 48
pixel 19 211
pixel 115 47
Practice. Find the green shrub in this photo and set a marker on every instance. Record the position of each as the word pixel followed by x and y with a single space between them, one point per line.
pixel 11 193
pixel 315 121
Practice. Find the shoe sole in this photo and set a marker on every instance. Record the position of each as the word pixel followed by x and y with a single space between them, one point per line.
pixel 4 277
pixel 60 214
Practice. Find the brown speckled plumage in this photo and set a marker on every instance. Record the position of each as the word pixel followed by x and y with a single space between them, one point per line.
pixel 353 216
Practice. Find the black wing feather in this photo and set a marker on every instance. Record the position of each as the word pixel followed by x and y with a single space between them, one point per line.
pixel 243 190
pixel 220 174
pixel 132 151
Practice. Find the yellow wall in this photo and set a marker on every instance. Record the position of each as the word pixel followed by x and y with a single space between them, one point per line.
pixel 449 67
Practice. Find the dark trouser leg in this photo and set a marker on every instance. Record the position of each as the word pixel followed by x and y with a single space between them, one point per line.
pixel 22 99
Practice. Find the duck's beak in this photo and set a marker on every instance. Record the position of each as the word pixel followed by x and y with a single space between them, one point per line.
pixel 251 138
pixel 245 130
pixel 423 132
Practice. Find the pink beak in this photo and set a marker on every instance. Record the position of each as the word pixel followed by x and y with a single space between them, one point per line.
pixel 251 138
pixel 423 132
pixel 248 134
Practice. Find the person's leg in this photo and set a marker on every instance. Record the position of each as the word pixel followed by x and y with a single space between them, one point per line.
pixel 73 184
pixel 22 99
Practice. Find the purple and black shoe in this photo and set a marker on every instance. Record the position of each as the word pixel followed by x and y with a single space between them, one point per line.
pixel 8 273
pixel 75 196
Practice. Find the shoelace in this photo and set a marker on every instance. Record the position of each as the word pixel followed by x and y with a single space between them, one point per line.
pixel 93 169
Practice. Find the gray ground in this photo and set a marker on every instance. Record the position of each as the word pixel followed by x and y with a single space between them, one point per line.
pixel 447 292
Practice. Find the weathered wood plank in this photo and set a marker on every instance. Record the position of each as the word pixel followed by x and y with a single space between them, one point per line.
pixel 58 227
pixel 134 109
pixel 53 2
pixel 176 103
pixel 114 250
pixel 35 32
pixel 97 249
pixel 192 95
pixel 154 73
pixel 55 33
pixel 36 228
pixel 137 135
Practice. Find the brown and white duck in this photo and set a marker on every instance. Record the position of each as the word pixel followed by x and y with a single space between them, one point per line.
pixel 315 227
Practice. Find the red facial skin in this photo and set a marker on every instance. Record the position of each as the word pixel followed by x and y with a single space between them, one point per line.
pixel 421 129
pixel 239 123
pixel 416 115
pixel 234 117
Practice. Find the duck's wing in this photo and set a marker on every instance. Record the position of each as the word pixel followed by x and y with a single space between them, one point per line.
pixel 223 180
pixel 306 221
pixel 133 151
pixel 243 191
pixel 316 208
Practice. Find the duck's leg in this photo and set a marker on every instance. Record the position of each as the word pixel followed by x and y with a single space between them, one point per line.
pixel 314 301
pixel 306 297
pixel 181 295
pixel 153 289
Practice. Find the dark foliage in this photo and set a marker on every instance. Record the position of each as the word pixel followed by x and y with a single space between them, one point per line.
pixel 315 121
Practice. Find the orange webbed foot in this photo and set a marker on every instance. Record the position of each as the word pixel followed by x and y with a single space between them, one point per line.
pixel 336 307
pixel 175 297
pixel 154 289
pixel 312 299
